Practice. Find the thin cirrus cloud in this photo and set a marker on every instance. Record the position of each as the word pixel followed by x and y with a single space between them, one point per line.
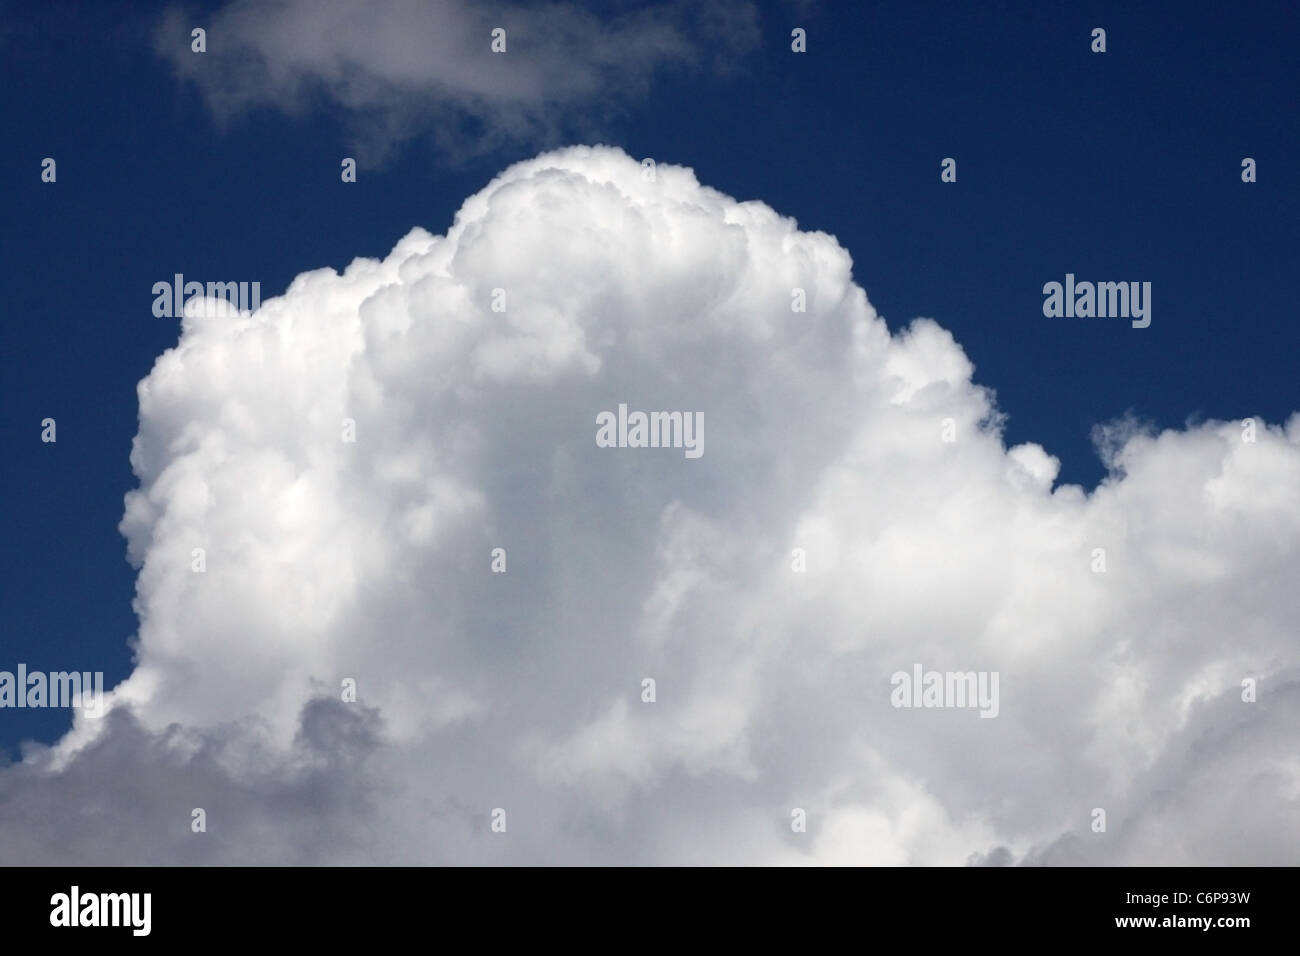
pixel 475 429
pixel 395 69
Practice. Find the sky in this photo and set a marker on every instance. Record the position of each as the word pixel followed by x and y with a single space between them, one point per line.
pixel 774 170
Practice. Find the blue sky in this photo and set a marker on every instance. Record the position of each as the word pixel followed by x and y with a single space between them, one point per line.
pixel 1122 166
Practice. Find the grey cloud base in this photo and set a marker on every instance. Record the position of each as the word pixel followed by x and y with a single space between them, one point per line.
pixel 475 429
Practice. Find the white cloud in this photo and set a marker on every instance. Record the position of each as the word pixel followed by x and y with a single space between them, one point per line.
pixel 398 68
pixel 476 429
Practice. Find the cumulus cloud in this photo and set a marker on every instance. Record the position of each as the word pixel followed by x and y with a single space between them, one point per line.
pixel 326 559
pixel 395 69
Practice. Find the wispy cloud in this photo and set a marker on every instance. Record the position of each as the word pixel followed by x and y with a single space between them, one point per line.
pixel 396 69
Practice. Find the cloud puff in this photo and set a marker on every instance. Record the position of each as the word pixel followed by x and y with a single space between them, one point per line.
pixel 399 68
pixel 329 559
